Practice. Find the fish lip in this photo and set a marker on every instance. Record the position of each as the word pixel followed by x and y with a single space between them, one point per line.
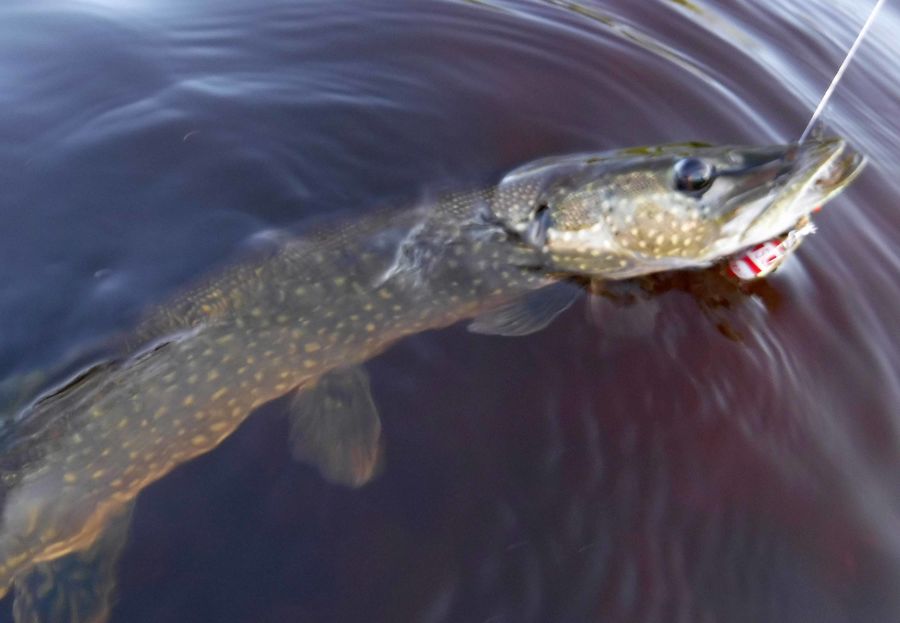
pixel 831 162
pixel 821 168
pixel 844 167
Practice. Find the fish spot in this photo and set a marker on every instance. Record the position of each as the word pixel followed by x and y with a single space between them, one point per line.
pixel 192 379
pixel 212 375
pixel 14 561
pixel 310 363
pixel 219 393
pixel 98 474
pixel 312 347
pixel 370 327
pixel 70 477
pixel 188 400
pixel 199 415
pixel 96 412
pixel 218 426
pixel 199 440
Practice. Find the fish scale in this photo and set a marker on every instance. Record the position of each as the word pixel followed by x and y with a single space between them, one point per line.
pixel 303 313
pixel 253 334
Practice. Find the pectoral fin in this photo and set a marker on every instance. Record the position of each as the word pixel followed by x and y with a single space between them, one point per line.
pixel 529 314
pixel 335 427
pixel 77 588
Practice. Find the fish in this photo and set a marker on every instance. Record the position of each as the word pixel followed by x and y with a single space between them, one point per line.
pixel 300 317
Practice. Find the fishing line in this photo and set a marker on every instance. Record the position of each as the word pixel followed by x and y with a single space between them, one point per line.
pixel 841 70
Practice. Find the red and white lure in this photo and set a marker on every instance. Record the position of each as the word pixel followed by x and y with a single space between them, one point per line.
pixel 763 259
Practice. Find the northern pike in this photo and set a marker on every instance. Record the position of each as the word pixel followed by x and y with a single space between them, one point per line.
pixel 303 316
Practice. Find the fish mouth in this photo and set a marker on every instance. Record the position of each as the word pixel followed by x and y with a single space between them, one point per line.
pixel 821 170
pixel 816 172
pixel 833 160
pixel 838 170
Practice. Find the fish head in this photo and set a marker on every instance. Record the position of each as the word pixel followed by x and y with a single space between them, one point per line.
pixel 637 211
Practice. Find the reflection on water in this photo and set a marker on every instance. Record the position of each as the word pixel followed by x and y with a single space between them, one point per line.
pixel 676 449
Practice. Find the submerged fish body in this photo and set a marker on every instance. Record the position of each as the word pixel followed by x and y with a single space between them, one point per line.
pixel 305 314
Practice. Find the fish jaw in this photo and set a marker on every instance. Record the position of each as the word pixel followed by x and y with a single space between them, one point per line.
pixel 633 212
pixel 823 170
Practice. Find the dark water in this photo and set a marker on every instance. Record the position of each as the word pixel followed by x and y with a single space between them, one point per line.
pixel 740 463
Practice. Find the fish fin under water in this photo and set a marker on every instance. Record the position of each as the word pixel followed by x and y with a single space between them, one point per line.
pixel 78 587
pixel 528 314
pixel 335 427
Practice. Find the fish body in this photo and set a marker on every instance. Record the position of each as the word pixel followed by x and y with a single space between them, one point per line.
pixel 313 307
pixel 197 367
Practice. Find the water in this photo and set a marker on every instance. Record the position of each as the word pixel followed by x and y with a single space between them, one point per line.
pixel 736 463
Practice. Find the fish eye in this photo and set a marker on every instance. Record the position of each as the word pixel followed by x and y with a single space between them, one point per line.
pixel 693 175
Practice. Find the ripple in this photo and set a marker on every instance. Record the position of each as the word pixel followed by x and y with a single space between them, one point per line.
pixel 687 457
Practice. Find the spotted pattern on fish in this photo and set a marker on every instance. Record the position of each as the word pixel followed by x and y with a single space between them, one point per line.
pixel 256 331
pixel 262 327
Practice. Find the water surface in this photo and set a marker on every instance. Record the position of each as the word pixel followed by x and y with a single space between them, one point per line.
pixel 736 462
